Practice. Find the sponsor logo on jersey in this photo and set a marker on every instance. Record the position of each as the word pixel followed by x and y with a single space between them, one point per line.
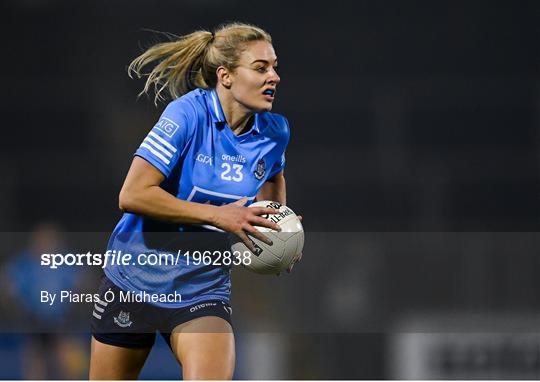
pixel 168 126
pixel 234 158
pixel 261 169
pixel 204 159
pixel 123 319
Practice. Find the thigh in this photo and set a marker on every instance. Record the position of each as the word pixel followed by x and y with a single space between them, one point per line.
pixel 205 348
pixel 121 335
pixel 114 362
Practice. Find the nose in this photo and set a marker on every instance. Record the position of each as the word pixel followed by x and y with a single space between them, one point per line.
pixel 274 77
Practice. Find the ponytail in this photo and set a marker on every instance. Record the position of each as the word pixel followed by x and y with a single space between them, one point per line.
pixel 191 61
pixel 178 69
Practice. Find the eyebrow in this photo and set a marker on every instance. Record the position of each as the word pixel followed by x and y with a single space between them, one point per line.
pixel 264 61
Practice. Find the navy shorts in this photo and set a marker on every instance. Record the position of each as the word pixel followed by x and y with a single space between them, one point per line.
pixel 134 324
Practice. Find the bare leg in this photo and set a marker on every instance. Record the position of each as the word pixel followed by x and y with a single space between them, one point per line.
pixel 205 348
pixel 113 362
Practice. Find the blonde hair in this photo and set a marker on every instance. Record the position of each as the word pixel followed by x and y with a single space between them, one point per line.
pixel 191 61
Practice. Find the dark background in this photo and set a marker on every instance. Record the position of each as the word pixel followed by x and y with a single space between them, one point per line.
pixel 406 116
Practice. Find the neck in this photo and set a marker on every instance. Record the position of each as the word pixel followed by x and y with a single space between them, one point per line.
pixel 236 114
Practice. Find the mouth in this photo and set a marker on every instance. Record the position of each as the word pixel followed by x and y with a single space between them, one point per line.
pixel 269 93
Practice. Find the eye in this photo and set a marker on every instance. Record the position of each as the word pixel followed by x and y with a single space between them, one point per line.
pixel 261 69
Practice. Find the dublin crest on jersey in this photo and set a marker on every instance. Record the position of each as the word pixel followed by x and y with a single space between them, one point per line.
pixel 123 319
pixel 261 169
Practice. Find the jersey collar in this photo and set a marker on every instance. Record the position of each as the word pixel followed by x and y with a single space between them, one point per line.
pixel 215 107
pixel 217 115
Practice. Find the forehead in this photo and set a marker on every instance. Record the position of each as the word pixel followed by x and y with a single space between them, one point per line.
pixel 258 50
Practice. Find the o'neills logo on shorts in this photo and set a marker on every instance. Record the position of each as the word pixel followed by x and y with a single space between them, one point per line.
pixel 200 306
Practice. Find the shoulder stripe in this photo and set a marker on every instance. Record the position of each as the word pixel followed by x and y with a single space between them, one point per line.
pixel 158 146
pixel 162 141
pixel 156 153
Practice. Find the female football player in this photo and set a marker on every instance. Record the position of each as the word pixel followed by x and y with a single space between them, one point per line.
pixel 215 149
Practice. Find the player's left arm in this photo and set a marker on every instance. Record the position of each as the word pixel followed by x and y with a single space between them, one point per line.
pixel 274 189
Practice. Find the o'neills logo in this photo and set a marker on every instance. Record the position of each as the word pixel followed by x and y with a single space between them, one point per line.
pixel 261 169
pixel 200 306
pixel 283 213
pixel 234 158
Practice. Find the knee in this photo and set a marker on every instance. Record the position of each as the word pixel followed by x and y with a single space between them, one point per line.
pixel 208 371
pixel 201 373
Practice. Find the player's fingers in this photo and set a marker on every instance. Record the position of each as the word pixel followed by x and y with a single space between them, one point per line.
pixel 261 222
pixel 264 211
pixel 241 202
pixel 254 232
pixel 247 241
pixel 300 217
pixel 296 259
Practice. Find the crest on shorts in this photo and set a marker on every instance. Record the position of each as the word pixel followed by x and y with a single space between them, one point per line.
pixel 261 169
pixel 123 319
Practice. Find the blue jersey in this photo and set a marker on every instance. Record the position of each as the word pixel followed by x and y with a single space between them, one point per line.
pixel 203 161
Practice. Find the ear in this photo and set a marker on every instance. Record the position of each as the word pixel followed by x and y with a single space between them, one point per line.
pixel 224 77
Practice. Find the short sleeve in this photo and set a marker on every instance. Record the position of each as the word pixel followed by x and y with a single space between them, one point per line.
pixel 164 144
pixel 279 165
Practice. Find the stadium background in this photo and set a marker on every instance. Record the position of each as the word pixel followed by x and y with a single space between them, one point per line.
pixel 414 159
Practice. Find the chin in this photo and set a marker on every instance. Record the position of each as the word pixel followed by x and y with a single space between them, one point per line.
pixel 267 107
pixel 260 107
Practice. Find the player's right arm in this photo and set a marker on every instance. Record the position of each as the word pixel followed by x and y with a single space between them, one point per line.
pixel 142 194
pixel 155 159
